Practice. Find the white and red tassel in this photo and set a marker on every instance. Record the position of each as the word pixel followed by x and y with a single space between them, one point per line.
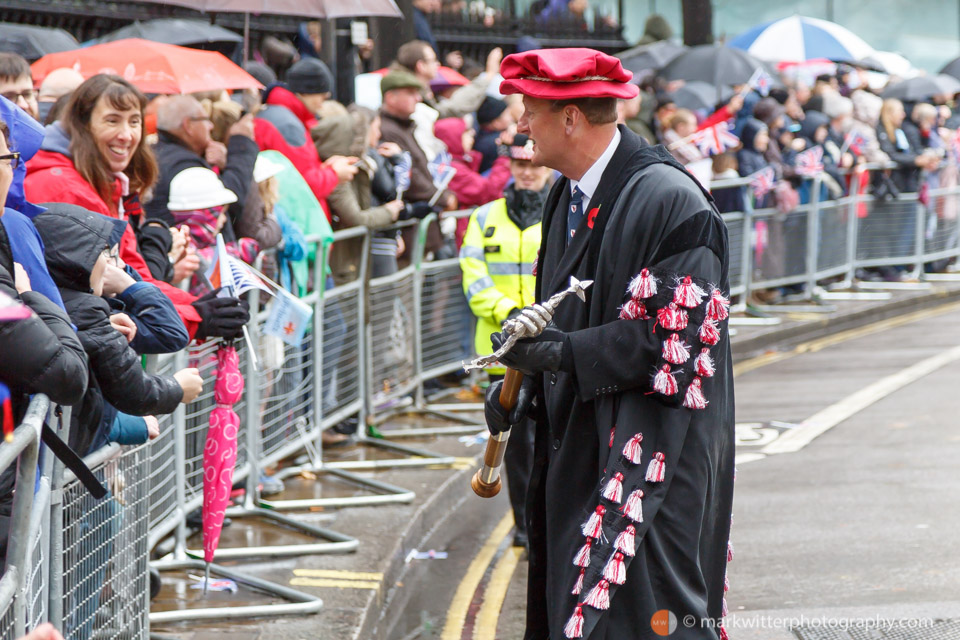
pixel 694 397
pixel 574 626
pixel 672 317
pixel 614 489
pixel 626 541
pixel 599 596
pixel 675 350
pixel 633 309
pixel 632 450
pixel 664 382
pixel 578 586
pixel 709 334
pixel 593 527
pixel 726 583
pixel 613 432
pixel 644 285
pixel 703 365
pixel 615 572
pixel 657 469
pixel 718 308
pixel 687 294
pixel 729 551
pixel 723 607
pixel 723 634
pixel 633 507
pixel 582 559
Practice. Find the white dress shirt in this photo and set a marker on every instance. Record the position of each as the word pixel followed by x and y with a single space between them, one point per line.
pixel 590 180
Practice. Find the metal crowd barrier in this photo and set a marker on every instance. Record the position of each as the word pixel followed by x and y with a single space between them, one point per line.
pixel 22 587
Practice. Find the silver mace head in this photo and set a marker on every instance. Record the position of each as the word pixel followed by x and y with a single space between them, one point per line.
pixel 515 329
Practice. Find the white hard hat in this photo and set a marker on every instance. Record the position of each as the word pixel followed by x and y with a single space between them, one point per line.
pixel 265 168
pixel 198 188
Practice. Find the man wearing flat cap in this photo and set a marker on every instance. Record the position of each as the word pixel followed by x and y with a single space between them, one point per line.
pixel 628 511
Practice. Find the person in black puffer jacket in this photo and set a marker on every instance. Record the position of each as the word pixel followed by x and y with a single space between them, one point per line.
pixel 75 244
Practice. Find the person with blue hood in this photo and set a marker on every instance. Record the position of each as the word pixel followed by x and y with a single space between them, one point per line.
pixel 755 138
pixel 25 137
pixel 77 244
pixel 156 326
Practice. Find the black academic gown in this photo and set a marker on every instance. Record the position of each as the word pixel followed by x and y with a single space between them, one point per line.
pixel 646 213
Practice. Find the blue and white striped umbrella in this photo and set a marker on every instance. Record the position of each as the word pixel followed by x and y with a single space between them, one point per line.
pixel 797 39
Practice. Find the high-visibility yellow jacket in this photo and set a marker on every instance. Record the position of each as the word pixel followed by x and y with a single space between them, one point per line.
pixel 497 263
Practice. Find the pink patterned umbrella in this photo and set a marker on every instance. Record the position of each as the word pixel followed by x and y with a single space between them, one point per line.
pixel 220 451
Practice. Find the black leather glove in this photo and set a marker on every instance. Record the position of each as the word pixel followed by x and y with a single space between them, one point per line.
pixel 419 210
pixel 220 317
pixel 498 420
pixel 550 351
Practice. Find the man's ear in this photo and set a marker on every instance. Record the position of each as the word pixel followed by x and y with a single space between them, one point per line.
pixel 572 117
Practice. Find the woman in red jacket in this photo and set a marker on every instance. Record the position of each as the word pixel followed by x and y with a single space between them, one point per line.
pixel 95 157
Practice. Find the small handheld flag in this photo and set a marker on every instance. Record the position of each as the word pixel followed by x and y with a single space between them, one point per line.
pixel 401 173
pixel 810 162
pixel 715 140
pixel 289 318
pixel 763 182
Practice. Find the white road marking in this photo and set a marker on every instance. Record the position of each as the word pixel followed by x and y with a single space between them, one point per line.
pixel 822 421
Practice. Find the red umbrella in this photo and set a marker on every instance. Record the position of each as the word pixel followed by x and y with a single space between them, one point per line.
pixel 153 67
pixel 220 451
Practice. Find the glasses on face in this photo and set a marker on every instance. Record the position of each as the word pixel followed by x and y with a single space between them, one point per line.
pixel 13 158
pixel 113 255
pixel 200 119
pixel 13 96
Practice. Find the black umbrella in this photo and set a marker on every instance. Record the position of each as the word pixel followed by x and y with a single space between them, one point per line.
pixel 952 68
pixel 185 32
pixel 34 42
pixel 650 56
pixel 716 65
pixel 698 95
pixel 922 88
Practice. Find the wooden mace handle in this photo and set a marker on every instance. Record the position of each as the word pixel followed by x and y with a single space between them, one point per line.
pixel 486 481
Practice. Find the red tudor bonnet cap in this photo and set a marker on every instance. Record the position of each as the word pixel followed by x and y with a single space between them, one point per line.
pixel 562 74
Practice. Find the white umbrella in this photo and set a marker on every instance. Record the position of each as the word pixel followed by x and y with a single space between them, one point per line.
pixel 797 38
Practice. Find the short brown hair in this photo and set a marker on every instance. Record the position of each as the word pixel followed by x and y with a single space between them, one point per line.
pixel 596 110
pixel 87 158
pixel 13 67
pixel 410 53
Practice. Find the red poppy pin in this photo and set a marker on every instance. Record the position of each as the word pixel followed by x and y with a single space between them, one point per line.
pixel 592 216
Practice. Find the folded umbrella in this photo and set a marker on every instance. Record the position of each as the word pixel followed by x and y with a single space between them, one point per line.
pixel 220 450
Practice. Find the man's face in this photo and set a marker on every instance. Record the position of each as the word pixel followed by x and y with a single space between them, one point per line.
pixel 20 91
pixel 528 176
pixel 313 101
pixel 402 102
pixel 545 127
pixel 196 130
pixel 429 66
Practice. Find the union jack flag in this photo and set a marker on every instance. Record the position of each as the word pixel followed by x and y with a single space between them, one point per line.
pixel 401 173
pixel 761 81
pixel 810 162
pixel 855 142
pixel 763 182
pixel 441 169
pixel 715 140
